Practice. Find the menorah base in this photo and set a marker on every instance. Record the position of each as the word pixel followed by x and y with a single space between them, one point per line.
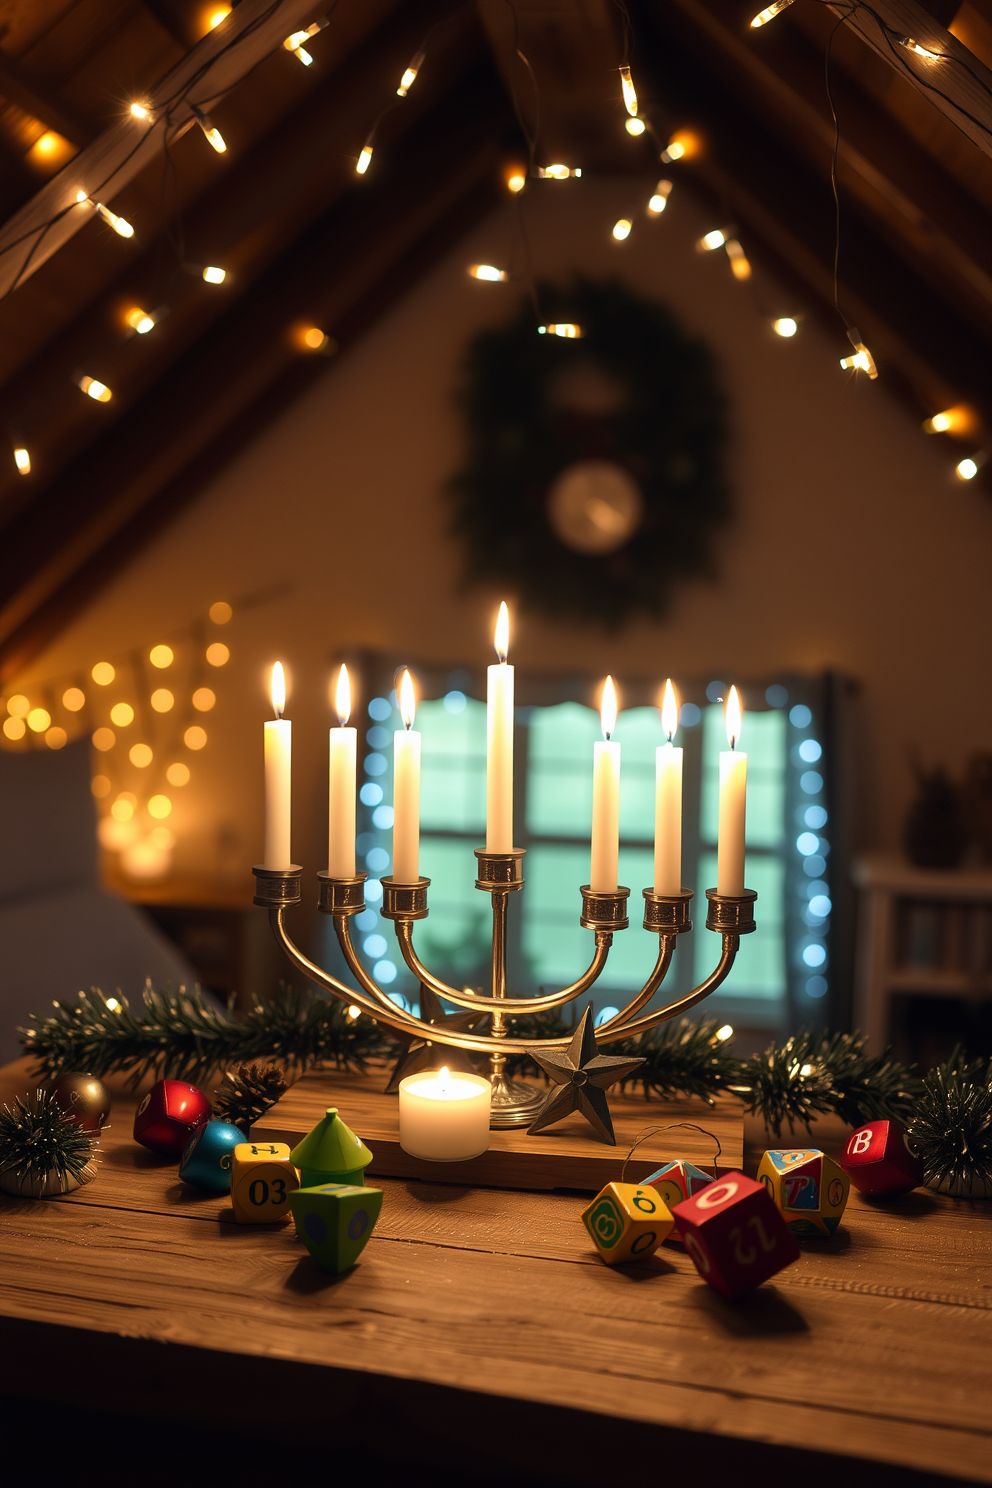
pixel 513 1103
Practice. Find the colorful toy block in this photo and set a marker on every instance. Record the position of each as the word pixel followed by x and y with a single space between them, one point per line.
pixel 169 1115
pixel 627 1221
pixel 808 1189
pixel 676 1181
pixel 734 1235
pixel 331 1153
pixel 881 1160
pixel 206 1162
pixel 334 1221
pixel 262 1179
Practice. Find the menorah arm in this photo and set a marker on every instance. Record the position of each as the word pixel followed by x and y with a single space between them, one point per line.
pixel 481 1002
pixel 666 950
pixel 611 1031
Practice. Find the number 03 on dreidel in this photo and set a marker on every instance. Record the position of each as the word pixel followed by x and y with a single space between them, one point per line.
pixel 262 1179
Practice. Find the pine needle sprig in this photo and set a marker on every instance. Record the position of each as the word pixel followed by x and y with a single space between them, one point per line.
pixel 177 1035
pixel 247 1093
pixel 684 1058
pixel 38 1141
pixel 952 1128
pixel 812 1075
pixel 868 1087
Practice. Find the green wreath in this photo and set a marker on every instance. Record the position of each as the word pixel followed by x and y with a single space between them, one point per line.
pixel 595 476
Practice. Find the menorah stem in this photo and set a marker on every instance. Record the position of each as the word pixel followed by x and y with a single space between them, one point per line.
pixel 498 1028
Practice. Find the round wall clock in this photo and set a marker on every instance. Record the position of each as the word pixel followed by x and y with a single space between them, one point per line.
pixel 594 479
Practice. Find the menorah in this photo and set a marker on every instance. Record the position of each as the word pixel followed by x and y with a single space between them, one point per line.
pixel 514 1102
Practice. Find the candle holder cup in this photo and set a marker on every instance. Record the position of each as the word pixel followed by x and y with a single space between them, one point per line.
pixel 512 1102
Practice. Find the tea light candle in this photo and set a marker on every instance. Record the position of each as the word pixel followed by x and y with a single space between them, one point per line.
pixel 444 1117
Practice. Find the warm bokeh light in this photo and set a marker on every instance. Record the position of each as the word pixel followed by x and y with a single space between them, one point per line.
pixel 160 807
pixel 410 75
pixel 724 1033
pixel 161 656
pixel 407 699
pixel 14 728
pixel 177 774
pixel 364 160
pixel 515 177
pixel 962 419
pixel 558 172
pixel 115 835
pixel 73 699
pixel 567 329
pixel 769 13
pixel 56 738
pixel 162 700
pixel 313 338
pixel 123 808
pixel 785 326
pixel 740 265
pixel 342 695
pixel 966 469
pixel 712 240
pixel 98 391
pixel 18 706
pixel 22 459
pixel 621 229
pixel 104 739
pixel 734 714
pixel 139 110
pixel 38 720
pixel 214 15
pixel 218 654
pixel 682 146
pixel 629 92
pixel 670 711
pixel 162 838
pixel 221 612
pixel 141 756
pixel 659 201
pixel 634 126
pixel 608 708
pixel 122 714
pixel 140 321
pixel 50 152
pixel 277 689
pixel 501 633
pixel 489 272
pixel 103 674
pixel 195 737
pixel 204 699
pixel 100 786
pixel 214 275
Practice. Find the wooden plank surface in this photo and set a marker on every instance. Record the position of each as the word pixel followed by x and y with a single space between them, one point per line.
pixel 569 1155
pixel 876 1345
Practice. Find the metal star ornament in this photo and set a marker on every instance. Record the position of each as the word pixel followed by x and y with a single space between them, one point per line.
pixel 420 1054
pixel 581 1078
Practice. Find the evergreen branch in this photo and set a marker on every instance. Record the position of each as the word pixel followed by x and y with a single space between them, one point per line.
pixel 952 1127
pixel 37 1139
pixel 812 1075
pixel 684 1058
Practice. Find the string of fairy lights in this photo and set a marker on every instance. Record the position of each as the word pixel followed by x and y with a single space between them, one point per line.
pixel 960 420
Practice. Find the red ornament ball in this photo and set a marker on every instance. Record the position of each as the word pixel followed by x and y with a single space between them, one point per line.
pixel 169 1115
pixel 83 1099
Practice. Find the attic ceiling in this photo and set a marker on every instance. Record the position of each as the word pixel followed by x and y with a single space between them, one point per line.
pixel 306 242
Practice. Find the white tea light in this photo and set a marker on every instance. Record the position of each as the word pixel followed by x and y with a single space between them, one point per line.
pixel 444 1117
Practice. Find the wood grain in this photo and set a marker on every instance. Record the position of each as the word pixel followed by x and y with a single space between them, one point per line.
pixel 568 1156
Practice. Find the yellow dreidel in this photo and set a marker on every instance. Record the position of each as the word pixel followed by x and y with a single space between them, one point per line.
pixel 627 1222
pixel 262 1179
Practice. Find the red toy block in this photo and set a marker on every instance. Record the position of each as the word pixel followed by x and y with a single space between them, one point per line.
pixel 881 1160
pixel 169 1115
pixel 736 1237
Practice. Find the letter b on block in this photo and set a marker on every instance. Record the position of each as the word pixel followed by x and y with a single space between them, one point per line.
pixel 734 1235
pixel 262 1179
pixel 627 1221
pixel 881 1160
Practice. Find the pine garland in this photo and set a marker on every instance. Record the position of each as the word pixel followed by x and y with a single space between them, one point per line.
pixel 38 1140
pixel 811 1075
pixel 247 1093
pixel 952 1128
pixel 684 1058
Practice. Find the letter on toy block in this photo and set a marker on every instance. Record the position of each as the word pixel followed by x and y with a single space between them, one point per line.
pixel 627 1221
pixel 206 1163
pixel 881 1160
pixel 169 1115
pixel 334 1221
pixel 734 1235
pixel 262 1179
pixel 807 1188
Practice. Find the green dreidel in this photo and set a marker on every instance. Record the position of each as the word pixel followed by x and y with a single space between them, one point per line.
pixel 334 1221
pixel 331 1153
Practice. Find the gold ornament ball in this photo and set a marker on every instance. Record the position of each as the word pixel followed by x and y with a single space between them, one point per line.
pixel 82 1098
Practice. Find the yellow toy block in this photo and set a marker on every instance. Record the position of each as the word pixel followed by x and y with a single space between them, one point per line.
pixel 627 1221
pixel 262 1179
pixel 808 1188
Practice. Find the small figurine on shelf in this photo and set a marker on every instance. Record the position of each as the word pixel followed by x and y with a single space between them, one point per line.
pixel 881 1160
pixel 82 1098
pixel 43 1152
pixel 734 1235
pixel 262 1179
pixel 627 1222
pixel 169 1115
pixel 335 1221
pixel 206 1162
pixel 807 1188
pixel 331 1153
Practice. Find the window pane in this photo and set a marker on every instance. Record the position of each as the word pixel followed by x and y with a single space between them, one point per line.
pixel 559 772
pixel 759 970
pixel 456 938
pixel 453 772
pixel 555 946
pixel 639 732
pixel 764 740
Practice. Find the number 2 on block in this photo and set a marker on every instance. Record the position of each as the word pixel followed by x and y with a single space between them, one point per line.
pixel 747 1257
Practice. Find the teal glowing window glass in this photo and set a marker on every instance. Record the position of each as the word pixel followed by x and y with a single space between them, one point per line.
pixel 457 934
pixel 759 970
pixel 763 738
pixel 639 732
pixel 453 767
pixel 559 770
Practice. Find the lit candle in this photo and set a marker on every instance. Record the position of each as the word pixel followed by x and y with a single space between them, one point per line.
pixel 606 798
pixel 733 798
pixel 668 802
pixel 499 757
pixel 341 785
pixel 278 777
pixel 406 789
pixel 444 1117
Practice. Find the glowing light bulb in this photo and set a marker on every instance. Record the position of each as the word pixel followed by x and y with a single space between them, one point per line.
pixel 210 133
pixel 214 275
pixel 969 467
pixel 295 42
pixel 141 321
pixel 785 326
pixel 22 460
pixel 740 265
pixel 558 172
pixel 501 634
pixel 122 227
pixel 659 201
pixel 489 272
pixel 608 709
pixel 103 674
pixel 769 14
pixel 926 53
pixel 634 126
pixel 140 111
pixel 862 360
pixel 621 229
pixel 364 160
pixel 712 240
pixel 410 75
pixel 670 711
pixel 961 419
pixel 98 391
pixel 277 689
pixel 682 146
pixel 733 718
pixel 407 699
pixel 566 329
pixel 515 177
pixel 342 696
pixel 311 338
pixel 629 92
pixel 724 1033
pixel 161 656
pixel 216 15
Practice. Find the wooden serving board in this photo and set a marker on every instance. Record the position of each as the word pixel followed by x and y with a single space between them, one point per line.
pixel 568 1156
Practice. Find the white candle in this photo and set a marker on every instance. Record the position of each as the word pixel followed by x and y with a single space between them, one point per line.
pixel 278 778
pixel 444 1117
pixel 499 755
pixel 733 799
pixel 606 799
pixel 343 748
pixel 406 789
pixel 668 802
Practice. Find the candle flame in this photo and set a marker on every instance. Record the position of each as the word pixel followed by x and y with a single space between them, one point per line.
pixel 608 708
pixel 407 699
pixel 444 1077
pixel 501 639
pixel 277 689
pixel 734 715
pixel 342 696
pixel 670 711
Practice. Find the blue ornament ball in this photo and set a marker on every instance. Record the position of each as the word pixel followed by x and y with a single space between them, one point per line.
pixel 206 1162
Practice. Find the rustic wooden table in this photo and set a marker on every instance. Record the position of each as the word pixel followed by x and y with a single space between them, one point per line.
pixel 479 1327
